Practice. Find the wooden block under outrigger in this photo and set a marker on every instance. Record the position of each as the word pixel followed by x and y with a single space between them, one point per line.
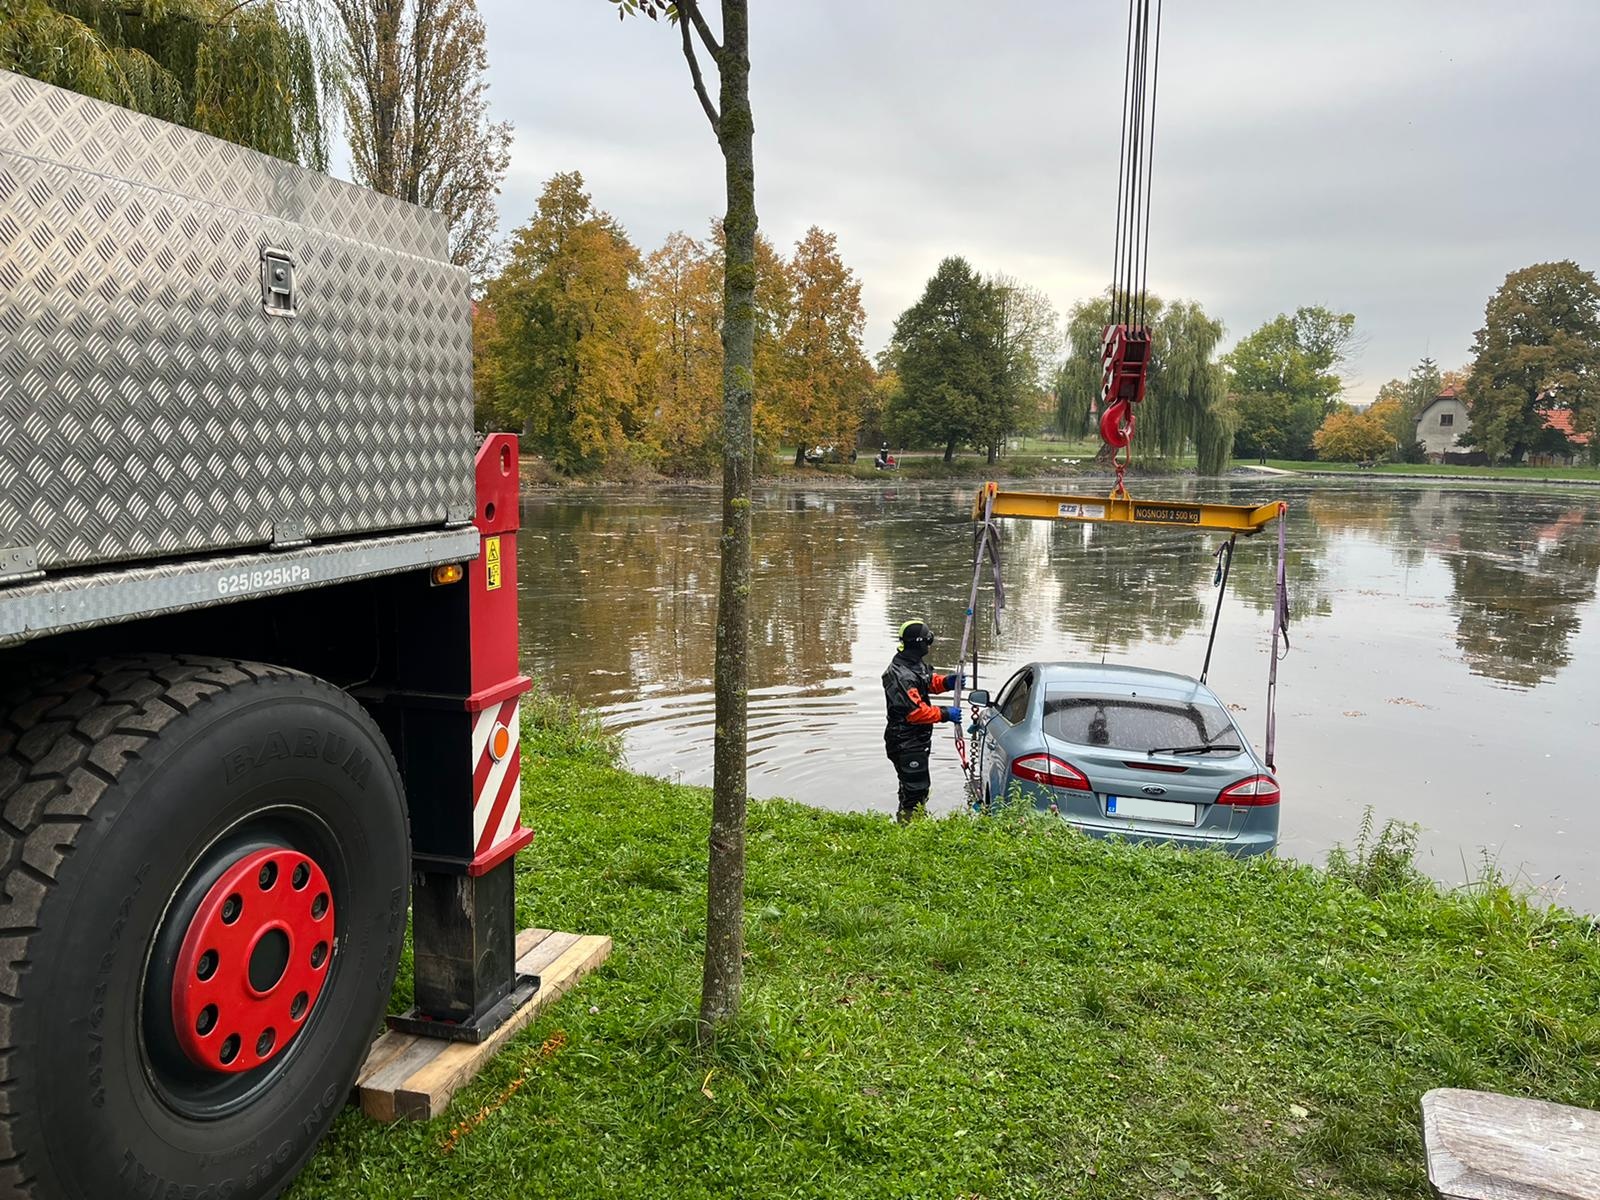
pixel 411 1077
pixel 1247 519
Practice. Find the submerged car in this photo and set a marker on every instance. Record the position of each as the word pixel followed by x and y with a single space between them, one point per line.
pixel 1149 756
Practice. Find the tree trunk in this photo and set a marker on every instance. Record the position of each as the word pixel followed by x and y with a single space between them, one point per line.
pixel 950 450
pixel 994 453
pixel 800 455
pixel 724 965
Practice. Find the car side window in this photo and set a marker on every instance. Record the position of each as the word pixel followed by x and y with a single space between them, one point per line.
pixel 1013 703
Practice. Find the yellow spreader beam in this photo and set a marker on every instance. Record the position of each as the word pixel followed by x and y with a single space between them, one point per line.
pixel 1247 519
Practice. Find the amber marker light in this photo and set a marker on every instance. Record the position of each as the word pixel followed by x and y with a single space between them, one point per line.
pixel 448 573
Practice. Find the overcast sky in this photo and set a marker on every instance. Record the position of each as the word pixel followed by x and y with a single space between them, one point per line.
pixel 1392 159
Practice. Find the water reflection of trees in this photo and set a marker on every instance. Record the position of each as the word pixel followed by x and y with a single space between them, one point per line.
pixel 1119 586
pixel 1523 570
pixel 619 594
pixel 619 590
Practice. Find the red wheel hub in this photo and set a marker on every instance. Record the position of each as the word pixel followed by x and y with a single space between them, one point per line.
pixel 253 961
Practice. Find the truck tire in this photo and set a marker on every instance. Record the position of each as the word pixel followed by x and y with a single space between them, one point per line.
pixel 203 888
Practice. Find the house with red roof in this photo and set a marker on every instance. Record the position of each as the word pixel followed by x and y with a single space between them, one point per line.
pixel 1559 420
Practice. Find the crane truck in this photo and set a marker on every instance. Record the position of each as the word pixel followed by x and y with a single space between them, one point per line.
pixel 259 689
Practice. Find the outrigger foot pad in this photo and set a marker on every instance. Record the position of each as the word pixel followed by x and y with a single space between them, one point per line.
pixel 476 1030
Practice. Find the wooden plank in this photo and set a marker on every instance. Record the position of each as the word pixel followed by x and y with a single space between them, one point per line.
pixel 384 1048
pixel 374 1091
pixel 538 960
pixel 417 1080
pixel 1483 1146
pixel 377 1090
pixel 427 1092
pixel 528 939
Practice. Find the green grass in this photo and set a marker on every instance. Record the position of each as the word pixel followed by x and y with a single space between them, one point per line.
pixel 1466 472
pixel 994 1008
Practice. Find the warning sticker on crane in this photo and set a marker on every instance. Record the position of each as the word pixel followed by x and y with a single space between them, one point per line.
pixel 491 563
pixel 1085 512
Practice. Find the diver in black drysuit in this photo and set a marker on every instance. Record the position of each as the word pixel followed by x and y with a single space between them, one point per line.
pixel 908 736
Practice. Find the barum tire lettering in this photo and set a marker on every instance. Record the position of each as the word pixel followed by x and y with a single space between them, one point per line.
pixel 101 1103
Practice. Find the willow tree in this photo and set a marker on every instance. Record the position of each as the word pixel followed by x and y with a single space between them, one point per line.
pixel 734 128
pixel 254 72
pixel 1186 392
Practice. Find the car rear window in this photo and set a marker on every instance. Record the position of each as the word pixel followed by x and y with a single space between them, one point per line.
pixel 1129 722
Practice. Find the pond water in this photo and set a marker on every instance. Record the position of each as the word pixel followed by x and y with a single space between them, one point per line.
pixel 1445 661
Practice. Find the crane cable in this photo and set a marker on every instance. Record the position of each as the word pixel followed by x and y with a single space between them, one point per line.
pixel 1141 74
pixel 1125 348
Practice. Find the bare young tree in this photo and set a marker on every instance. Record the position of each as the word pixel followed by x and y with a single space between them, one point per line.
pixel 734 128
pixel 417 104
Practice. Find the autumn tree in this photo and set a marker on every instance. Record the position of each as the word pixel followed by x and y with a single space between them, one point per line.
pixel 1350 436
pixel 1028 346
pixel 565 328
pixel 1186 401
pixel 491 408
pixel 247 71
pixel 1286 378
pixel 775 378
pixel 416 104
pixel 1539 348
pixel 734 128
pixel 825 367
pixel 946 350
pixel 681 375
pixel 880 396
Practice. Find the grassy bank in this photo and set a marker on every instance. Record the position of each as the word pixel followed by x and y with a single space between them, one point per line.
pixel 985 1009
pixel 1436 470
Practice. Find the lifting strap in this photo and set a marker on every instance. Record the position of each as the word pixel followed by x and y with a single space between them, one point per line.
pixel 1224 569
pixel 985 548
pixel 1280 626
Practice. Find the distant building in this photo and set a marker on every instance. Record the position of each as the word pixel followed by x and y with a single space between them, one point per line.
pixel 1442 424
pixel 1560 420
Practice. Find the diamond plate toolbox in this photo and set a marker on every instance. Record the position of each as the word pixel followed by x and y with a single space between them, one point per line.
pixel 204 348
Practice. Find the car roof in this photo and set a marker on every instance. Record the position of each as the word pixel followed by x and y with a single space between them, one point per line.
pixel 1114 677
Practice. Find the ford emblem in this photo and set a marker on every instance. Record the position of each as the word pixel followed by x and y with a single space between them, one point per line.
pixel 1154 790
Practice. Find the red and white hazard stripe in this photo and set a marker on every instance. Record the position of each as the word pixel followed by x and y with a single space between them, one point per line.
pixel 496 774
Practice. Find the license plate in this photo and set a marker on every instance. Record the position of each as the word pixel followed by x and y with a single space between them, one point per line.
pixel 1138 808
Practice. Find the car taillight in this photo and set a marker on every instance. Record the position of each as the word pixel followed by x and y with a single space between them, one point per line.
pixel 1047 769
pixel 1256 792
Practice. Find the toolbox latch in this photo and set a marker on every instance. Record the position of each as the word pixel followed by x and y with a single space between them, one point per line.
pixel 277 283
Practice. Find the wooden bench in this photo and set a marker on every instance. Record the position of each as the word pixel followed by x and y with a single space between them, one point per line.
pixel 1483 1146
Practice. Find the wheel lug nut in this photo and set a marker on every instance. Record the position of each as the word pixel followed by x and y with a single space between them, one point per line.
pixel 230 1048
pixel 207 1021
pixel 319 954
pixel 231 908
pixel 264 1042
pixel 207 966
pixel 267 876
pixel 301 876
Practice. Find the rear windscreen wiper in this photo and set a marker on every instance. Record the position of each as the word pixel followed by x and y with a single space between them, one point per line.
pixel 1207 749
